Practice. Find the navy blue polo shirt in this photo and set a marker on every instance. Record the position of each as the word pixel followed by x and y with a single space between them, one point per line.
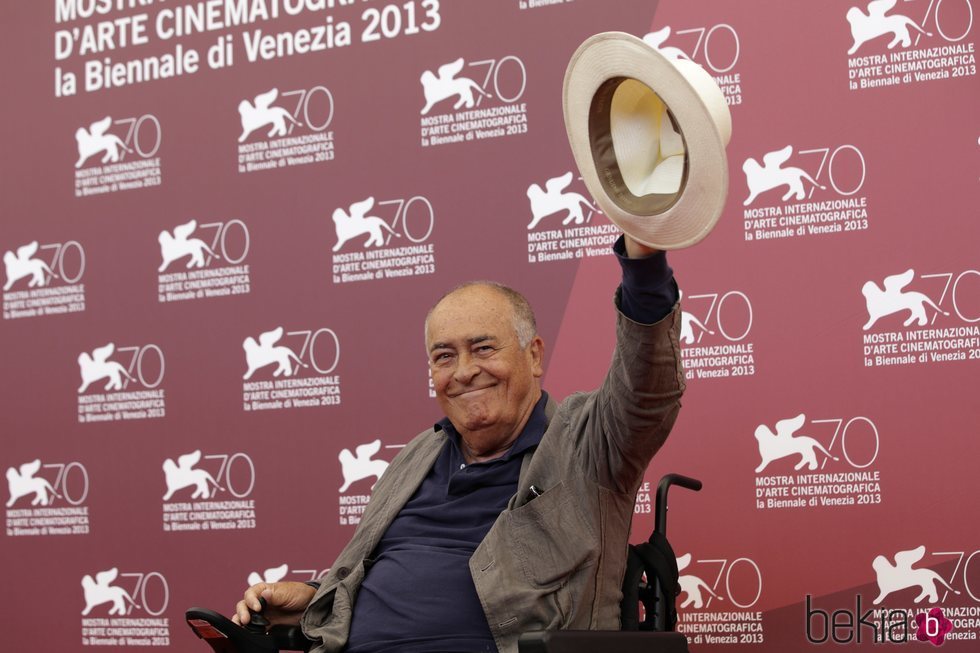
pixel 419 581
pixel 418 595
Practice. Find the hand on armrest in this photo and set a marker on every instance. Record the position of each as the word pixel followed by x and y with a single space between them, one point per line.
pixel 285 602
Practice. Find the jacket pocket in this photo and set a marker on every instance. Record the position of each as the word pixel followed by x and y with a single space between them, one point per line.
pixel 554 538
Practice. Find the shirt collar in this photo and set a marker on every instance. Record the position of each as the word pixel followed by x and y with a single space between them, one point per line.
pixel 529 438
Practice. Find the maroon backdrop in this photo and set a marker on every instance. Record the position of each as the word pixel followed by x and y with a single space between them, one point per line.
pixel 831 320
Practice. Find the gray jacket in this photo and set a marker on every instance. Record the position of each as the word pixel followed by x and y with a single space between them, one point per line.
pixel 557 561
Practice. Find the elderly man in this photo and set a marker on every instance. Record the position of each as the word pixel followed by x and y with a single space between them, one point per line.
pixel 513 512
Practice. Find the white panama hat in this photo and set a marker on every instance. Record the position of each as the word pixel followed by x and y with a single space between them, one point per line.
pixel 648 134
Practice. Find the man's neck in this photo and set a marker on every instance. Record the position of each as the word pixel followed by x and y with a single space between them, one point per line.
pixel 481 446
pixel 473 454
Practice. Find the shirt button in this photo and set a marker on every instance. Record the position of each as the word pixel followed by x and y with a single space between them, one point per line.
pixel 343 572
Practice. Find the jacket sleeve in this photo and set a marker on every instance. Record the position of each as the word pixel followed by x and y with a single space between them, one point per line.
pixel 629 417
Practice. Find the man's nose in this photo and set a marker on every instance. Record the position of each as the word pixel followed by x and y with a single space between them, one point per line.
pixel 466 368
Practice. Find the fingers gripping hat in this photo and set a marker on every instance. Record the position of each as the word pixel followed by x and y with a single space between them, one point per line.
pixel 648 132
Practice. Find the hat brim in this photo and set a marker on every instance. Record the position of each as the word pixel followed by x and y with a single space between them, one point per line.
pixel 700 113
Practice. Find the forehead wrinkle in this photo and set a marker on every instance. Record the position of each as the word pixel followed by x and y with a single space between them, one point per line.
pixel 472 340
pixel 439 345
pixel 479 297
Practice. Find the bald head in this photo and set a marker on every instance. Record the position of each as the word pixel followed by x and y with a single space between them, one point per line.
pixel 523 320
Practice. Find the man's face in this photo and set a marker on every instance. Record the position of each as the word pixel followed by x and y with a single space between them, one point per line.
pixel 485 382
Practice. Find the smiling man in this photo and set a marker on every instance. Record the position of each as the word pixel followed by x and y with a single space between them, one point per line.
pixel 486 361
pixel 512 513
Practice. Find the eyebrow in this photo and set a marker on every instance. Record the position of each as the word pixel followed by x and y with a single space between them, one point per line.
pixel 470 341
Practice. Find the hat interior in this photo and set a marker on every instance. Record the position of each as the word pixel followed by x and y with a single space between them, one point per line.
pixel 638 148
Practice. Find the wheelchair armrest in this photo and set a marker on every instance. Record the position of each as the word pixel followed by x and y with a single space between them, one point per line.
pixel 225 636
pixel 290 638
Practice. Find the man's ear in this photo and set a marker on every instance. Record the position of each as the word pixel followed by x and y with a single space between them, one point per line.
pixel 536 351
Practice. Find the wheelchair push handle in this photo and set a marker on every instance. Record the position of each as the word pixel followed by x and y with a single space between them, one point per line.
pixel 663 487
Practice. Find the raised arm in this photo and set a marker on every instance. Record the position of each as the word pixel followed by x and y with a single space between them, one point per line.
pixel 633 411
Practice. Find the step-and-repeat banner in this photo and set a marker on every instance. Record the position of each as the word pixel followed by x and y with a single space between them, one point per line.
pixel 223 222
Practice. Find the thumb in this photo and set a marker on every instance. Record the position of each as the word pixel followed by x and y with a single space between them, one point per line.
pixel 252 597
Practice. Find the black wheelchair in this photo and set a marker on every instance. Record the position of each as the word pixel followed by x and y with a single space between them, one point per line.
pixel 648 609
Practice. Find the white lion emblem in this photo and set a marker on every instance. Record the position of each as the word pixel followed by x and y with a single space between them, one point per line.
pixel 356 468
pixel 358 223
pixel 262 113
pixel 866 27
pixel 271 575
pixel 180 244
pixel 771 174
pixel 688 322
pixel 900 576
pixel 262 353
pixel 892 300
pixel 692 585
pixel 100 590
pixel 98 366
pixel 23 482
pixel 182 474
pixel 446 84
pixel 21 265
pixel 783 443
pixel 93 140
pixel 656 41
pixel 551 200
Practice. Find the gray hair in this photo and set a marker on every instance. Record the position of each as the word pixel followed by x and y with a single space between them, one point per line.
pixel 525 325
